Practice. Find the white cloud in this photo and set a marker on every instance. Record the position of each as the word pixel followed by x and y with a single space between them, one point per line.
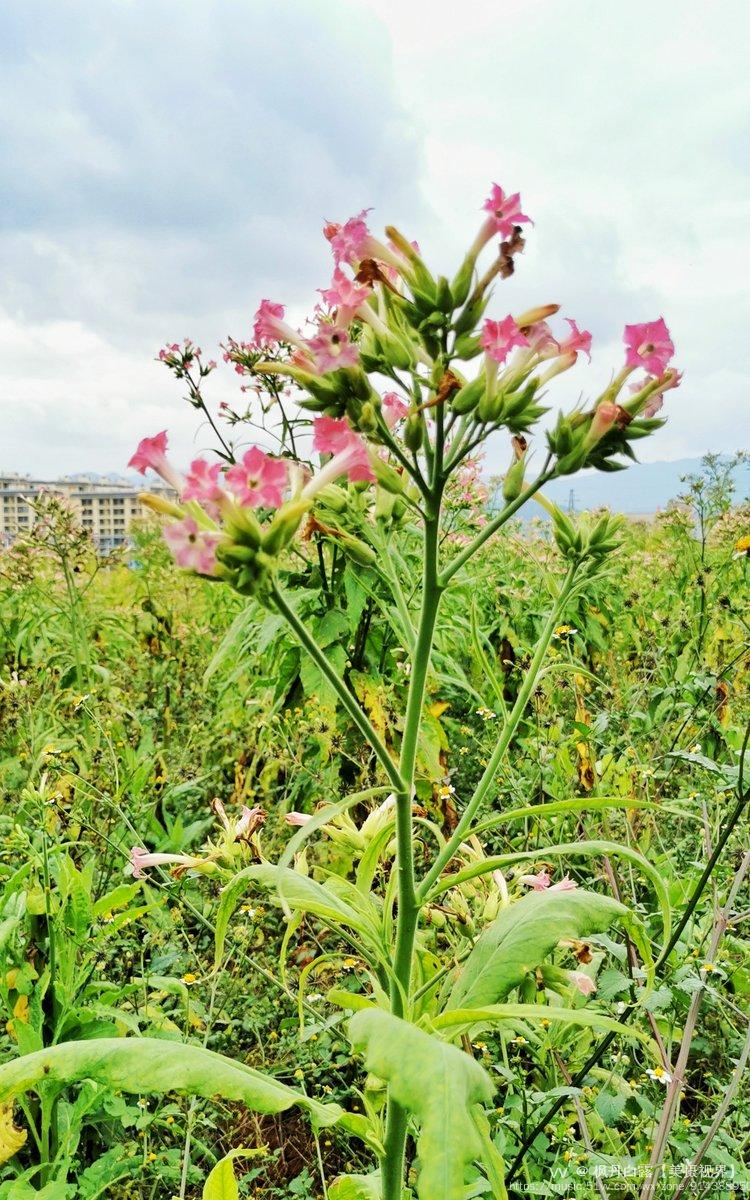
pixel 172 163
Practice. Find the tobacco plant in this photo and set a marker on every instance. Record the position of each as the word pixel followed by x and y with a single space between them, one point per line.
pixel 403 378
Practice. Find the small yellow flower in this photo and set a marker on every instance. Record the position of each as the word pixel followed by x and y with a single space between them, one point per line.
pixel 565 631
pixel 151 1157
pixel 299 1074
pixel 189 978
pixel 486 713
pixel 545 1024
pixel 273 1035
pixel 349 963
pixel 742 546
pixel 519 1041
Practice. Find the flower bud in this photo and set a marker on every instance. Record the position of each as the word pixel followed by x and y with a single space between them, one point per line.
pixel 605 416
pixel 415 272
pixel 159 504
pixel 462 282
pixel 445 302
pixel 284 525
pixel 533 316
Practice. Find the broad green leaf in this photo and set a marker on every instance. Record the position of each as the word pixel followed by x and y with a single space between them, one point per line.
pixel 461 1019
pixel 565 850
pixel 299 892
pixel 580 804
pixel 151 1065
pixel 222 1183
pixel 117 898
pixel 521 938
pixel 435 1082
pixel 356 1187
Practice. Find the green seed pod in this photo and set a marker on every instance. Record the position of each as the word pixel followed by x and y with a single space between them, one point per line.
pixel 400 509
pixel 466 399
pixel 573 461
pixel 242 526
pixel 384 504
pixel 490 408
pixel 414 431
pixel 513 482
pixel 358 550
pixel 387 477
pixel 332 497
pixel 230 552
pixel 467 346
pixel 367 421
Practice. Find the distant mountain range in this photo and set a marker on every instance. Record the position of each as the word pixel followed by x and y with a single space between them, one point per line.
pixel 642 488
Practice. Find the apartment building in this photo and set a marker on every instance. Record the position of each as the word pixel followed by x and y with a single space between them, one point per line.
pixel 105 507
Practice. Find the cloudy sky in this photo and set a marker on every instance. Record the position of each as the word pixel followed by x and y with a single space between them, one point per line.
pixel 166 163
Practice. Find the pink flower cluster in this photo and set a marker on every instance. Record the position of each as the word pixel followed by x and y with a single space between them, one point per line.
pixel 257 481
pixel 498 338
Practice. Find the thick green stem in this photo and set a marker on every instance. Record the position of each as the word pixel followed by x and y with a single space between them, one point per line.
pixel 392 1167
pixel 492 527
pixel 509 729
pixel 348 701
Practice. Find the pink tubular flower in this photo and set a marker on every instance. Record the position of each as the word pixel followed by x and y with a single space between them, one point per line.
pixel 538 883
pixel 578 340
pixel 566 884
pixel 542 340
pixel 649 346
pixel 269 326
pixel 672 379
pixel 345 293
pixel 350 454
pixel 141 860
pixel 584 983
pixel 297 818
pixel 258 481
pixel 193 548
pixel 499 338
pixel 394 409
pixel 350 241
pixel 332 349
pixel 202 484
pixel 250 820
pixel 505 211
pixel 152 453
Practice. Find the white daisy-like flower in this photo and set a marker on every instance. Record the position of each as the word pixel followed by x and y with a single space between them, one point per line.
pixel 659 1074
